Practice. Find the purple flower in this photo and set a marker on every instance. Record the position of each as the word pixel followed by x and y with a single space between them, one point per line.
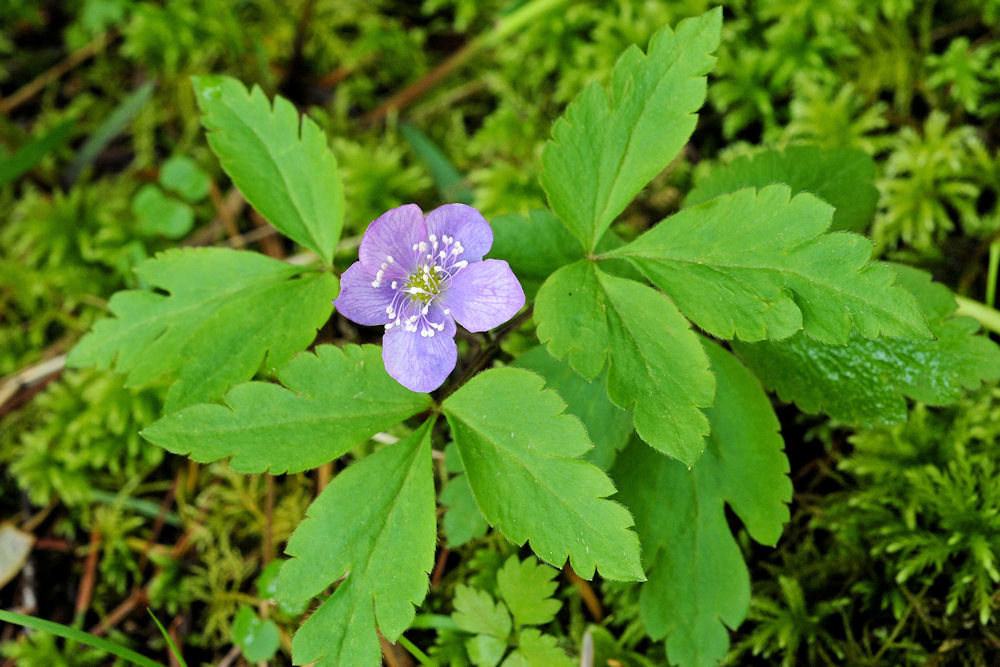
pixel 417 276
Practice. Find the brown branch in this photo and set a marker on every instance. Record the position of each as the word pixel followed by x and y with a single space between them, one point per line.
pixel 86 591
pixel 586 593
pixel 36 85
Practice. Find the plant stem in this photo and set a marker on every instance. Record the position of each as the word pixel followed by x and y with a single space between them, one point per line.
pixel 421 657
pixel 988 317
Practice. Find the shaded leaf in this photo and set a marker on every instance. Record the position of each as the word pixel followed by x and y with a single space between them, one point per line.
pixel 527 588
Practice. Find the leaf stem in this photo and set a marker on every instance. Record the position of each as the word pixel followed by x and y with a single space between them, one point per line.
pixel 421 657
pixel 988 317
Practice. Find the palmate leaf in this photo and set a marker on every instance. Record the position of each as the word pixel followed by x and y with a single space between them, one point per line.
pixel 535 245
pixel 284 168
pixel 331 401
pixel 842 177
pixel 697 581
pixel 866 382
pixel 520 455
pixel 610 144
pixel 226 310
pixel 375 524
pixel 656 363
pixel 527 587
pixel 757 264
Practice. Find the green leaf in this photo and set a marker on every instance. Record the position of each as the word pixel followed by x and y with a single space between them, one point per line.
pixel 610 144
pixel 527 588
pixel 85 638
pixel 866 382
pixel 156 213
pixel 476 612
pixel 331 401
pixel 485 651
pixel 520 454
pixel 227 310
pixel 284 168
pixel 259 638
pixel 841 177
pixel 537 650
pixel 374 523
pixel 698 582
pixel 462 520
pixel 33 152
pixel 608 426
pixel 182 175
pixel 656 361
pixel 756 264
pixel 535 245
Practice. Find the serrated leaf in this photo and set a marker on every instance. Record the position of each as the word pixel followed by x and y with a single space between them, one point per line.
pixel 226 311
pixel 330 401
pixel 757 264
pixel 485 651
pixel 866 382
pixel 283 167
pixel 610 144
pixel 656 361
pixel 535 245
pixel 698 583
pixel 476 612
pixel 375 524
pixel 520 455
pixel 462 520
pixel 537 650
pixel 840 176
pixel 527 588
pixel 608 426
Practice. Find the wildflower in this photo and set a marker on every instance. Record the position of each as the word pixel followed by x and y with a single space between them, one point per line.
pixel 417 276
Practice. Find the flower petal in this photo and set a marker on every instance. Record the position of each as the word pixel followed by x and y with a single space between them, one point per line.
pixel 393 234
pixel 419 363
pixel 358 301
pixel 466 224
pixel 484 295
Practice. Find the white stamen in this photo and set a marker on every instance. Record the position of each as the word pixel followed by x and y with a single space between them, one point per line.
pixel 389 259
pixel 393 284
pixel 432 238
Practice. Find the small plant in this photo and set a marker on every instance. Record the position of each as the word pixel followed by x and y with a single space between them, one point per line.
pixel 617 446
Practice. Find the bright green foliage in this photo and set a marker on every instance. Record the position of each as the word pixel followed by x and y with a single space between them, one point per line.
pixel 283 167
pixel 867 381
pixel 375 524
pixel 330 402
pixel 462 520
pixel 520 456
pixel 756 265
pixel 476 612
pixel 527 587
pixel 610 144
pixel 842 177
pixel 968 75
pixel 535 245
pixel 656 362
pixel 182 175
pixel 156 213
pixel 226 311
pixel 698 582
pixel 259 638
pixel 608 426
